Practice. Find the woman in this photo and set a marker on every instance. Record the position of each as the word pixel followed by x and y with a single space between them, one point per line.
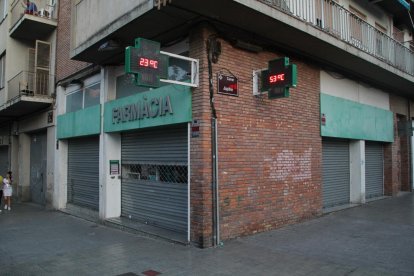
pixel 7 191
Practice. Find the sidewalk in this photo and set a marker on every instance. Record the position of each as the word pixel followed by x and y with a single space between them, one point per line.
pixel 374 239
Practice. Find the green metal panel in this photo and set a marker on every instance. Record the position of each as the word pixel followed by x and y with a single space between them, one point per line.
pixel 166 105
pixel 348 119
pixel 80 123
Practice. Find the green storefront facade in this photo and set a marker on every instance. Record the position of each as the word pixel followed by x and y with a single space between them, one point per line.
pixel 148 157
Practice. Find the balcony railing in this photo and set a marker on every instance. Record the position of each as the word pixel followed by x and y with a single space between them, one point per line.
pixel 30 84
pixel 43 9
pixel 332 18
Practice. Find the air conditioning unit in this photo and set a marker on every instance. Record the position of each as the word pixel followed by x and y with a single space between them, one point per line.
pixel 44 13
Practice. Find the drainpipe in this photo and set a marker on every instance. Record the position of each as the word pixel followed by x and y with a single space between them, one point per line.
pixel 410 145
pixel 213 51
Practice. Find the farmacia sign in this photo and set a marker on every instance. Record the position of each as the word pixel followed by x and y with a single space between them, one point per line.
pixel 142 109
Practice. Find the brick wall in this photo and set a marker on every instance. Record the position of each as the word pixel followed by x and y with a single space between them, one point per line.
pixel 201 196
pixel 397 161
pixel 404 156
pixel 269 150
pixel 64 65
pixel 392 161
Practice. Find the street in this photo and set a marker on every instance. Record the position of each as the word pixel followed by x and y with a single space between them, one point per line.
pixel 373 239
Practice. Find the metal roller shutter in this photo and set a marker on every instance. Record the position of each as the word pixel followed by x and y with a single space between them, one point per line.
pixel 4 160
pixel 374 170
pixel 335 172
pixel 154 177
pixel 83 172
pixel 38 164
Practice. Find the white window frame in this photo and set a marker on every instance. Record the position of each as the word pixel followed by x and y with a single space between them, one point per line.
pixel 82 90
pixel 85 84
pixel 3 8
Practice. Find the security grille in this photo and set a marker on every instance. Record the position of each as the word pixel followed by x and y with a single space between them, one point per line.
pixel 4 160
pixel 161 173
pixel 155 177
pixel 156 195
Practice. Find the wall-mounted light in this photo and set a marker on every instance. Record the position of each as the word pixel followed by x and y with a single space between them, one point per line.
pixel 76 82
pixel 247 46
pixel 109 45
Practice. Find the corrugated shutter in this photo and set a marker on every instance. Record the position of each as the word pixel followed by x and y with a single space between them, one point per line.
pixel 4 160
pixel 374 170
pixel 83 172
pixel 38 164
pixel 159 199
pixel 335 172
pixel 156 146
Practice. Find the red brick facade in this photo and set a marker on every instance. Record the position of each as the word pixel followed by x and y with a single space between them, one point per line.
pixel 397 159
pixel 64 65
pixel 392 161
pixel 269 150
pixel 405 155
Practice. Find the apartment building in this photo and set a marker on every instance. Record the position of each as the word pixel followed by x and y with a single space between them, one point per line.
pixel 208 153
pixel 27 98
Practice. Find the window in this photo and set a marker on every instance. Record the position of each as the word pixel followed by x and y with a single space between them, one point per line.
pixel 398 34
pixel 2 70
pixel 83 98
pixel 179 70
pixel 74 101
pixel 92 95
pixel 3 9
pixel 380 40
pixel 358 27
pixel 156 173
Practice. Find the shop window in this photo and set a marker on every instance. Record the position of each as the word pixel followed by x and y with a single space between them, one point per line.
pixel 83 98
pixel 92 95
pixel 156 173
pixel 74 101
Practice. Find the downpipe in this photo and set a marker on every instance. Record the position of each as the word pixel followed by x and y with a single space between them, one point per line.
pixel 213 51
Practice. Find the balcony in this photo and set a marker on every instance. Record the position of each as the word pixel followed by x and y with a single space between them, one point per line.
pixel 31 25
pixel 333 19
pixel 28 92
pixel 319 30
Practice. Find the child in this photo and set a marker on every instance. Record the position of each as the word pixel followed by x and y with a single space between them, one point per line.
pixel 7 191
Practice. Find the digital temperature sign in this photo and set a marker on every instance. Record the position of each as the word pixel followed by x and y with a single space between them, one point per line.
pixel 278 78
pixel 145 61
pixel 148 63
